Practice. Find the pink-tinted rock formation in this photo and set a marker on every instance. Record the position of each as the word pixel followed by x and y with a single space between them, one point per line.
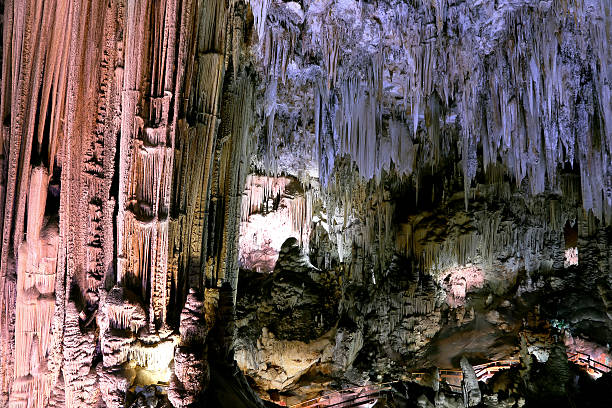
pixel 123 152
pixel 273 209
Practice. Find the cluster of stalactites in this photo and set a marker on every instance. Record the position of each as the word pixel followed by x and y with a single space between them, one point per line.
pixel 551 113
pixel 259 191
pixel 542 100
pixel 359 221
pixel 527 85
pixel 155 357
pixel 529 118
pixel 556 107
pixel 534 94
pixel 263 194
pixel 276 25
pixel 374 144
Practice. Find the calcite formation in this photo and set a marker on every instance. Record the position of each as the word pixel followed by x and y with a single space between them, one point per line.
pixel 191 374
pixel 463 155
pixel 125 133
pixel 399 92
pixel 471 392
pixel 273 209
pixel 320 193
pixel 394 74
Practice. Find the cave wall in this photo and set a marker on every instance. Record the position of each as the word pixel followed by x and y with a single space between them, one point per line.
pixel 462 146
pixel 124 141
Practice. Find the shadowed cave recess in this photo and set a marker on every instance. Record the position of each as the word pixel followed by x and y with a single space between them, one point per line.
pixel 312 203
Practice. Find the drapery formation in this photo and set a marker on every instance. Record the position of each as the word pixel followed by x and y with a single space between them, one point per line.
pixel 124 137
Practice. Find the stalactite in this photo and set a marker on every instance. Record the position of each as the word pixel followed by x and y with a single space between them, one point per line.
pixel 532 100
pixel 156 357
pixel 122 114
pixel 35 299
pixel 358 121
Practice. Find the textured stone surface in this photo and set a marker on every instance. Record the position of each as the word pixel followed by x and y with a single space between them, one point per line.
pixel 509 281
pixel 422 180
pixel 273 209
pixel 469 385
pixel 383 83
pixel 124 153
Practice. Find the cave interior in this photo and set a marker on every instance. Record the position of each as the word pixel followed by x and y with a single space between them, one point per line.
pixel 309 203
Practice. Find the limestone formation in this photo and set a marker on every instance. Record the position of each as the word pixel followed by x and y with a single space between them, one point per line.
pixel 314 194
pixel 471 392
pixel 123 161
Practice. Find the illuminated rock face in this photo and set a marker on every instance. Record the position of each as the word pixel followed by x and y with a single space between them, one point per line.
pixel 122 165
pixel 461 281
pixel 273 209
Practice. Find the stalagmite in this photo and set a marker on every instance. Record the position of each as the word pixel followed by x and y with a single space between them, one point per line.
pixel 191 373
pixel 469 385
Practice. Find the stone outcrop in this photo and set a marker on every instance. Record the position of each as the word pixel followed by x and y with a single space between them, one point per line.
pixel 285 322
pixel 469 385
pixel 191 373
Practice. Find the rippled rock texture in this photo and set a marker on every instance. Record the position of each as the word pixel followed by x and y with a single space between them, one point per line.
pixel 124 149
